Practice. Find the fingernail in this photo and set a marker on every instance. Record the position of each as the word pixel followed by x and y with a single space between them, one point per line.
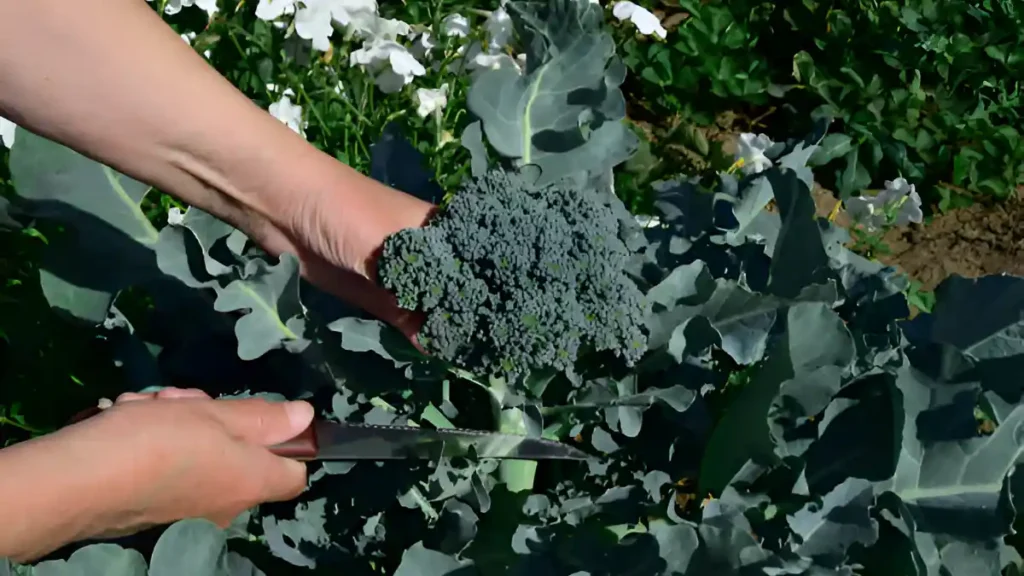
pixel 300 414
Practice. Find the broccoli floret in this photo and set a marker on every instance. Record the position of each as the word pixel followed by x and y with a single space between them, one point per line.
pixel 514 277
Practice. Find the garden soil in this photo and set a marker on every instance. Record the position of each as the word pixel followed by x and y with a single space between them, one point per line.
pixel 973 241
pixel 978 240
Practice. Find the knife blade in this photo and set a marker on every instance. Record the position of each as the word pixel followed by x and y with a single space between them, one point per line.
pixel 328 440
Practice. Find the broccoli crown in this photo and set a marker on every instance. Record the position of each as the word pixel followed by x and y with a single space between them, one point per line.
pixel 514 277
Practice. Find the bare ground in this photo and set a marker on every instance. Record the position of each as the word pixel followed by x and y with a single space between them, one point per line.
pixel 975 241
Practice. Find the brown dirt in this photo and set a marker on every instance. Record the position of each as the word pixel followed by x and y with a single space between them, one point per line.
pixel 674 141
pixel 979 240
pixel 975 241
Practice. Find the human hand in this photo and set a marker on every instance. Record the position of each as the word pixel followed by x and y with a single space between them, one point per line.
pixel 345 264
pixel 337 234
pixel 180 454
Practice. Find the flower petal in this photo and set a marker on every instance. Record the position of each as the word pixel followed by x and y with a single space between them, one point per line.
pixel 7 131
pixel 455 25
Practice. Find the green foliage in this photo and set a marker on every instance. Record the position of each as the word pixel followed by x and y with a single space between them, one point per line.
pixel 850 440
pixel 193 547
pixel 926 90
pixel 50 367
pixel 47 368
pixel 563 114
pixel 710 61
pixel 344 111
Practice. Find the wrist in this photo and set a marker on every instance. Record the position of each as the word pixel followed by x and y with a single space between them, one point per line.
pixel 344 217
pixel 61 489
pixel 290 197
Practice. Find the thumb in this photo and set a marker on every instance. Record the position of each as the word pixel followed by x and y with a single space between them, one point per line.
pixel 259 421
pixel 279 479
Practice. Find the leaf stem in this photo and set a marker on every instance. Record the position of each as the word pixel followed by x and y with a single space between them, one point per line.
pixel 5 421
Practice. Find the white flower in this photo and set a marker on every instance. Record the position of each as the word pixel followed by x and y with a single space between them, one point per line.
pixel 430 101
pixel 646 22
pixel 175 216
pixel 314 22
pixel 403 68
pixel 314 19
pixel 455 25
pixel 382 28
pixel 175 6
pixel 868 211
pixel 490 61
pixel 288 112
pixel 273 9
pixel 188 37
pixel 647 221
pixel 897 205
pixel 7 129
pixel 499 29
pixel 750 154
pixel 209 5
pixel 474 58
pixel 909 202
pixel 392 63
pixel 423 44
pixel 358 15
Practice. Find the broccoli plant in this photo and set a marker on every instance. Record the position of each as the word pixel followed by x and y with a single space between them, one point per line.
pixel 514 276
pixel 771 410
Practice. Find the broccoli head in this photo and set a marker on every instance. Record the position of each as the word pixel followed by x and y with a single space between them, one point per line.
pixel 514 277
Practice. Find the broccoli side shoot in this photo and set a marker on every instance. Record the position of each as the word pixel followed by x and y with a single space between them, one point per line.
pixel 514 277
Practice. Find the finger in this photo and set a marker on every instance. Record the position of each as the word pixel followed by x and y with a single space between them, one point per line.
pixel 224 520
pixel 180 393
pixel 163 393
pixel 409 324
pixel 279 479
pixel 260 421
pixel 134 396
pixel 366 295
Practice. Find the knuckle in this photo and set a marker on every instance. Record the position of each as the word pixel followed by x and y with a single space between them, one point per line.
pixel 128 397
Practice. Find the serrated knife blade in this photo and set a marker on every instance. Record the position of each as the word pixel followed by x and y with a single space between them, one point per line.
pixel 325 440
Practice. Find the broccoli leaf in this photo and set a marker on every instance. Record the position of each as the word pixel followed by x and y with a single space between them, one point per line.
pixel 97 559
pixel 197 547
pixel 950 478
pixel 421 561
pixel 102 209
pixel 7 213
pixel 271 296
pixel 184 249
pixel 843 518
pixel 564 113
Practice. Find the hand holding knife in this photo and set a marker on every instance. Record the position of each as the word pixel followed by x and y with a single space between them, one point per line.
pixel 327 440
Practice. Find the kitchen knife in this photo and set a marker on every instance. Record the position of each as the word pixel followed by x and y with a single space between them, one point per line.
pixel 326 440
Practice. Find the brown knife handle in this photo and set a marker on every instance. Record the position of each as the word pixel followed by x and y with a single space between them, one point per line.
pixel 84 415
pixel 303 447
